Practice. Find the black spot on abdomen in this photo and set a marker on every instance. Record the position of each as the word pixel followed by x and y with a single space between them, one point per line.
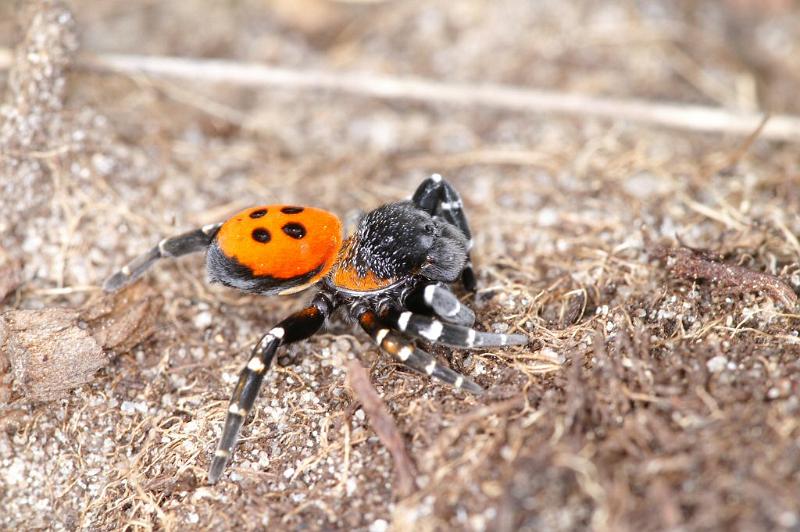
pixel 258 213
pixel 292 210
pixel 294 230
pixel 261 235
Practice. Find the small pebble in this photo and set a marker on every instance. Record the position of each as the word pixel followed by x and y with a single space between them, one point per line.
pixel 717 364
pixel 379 525
pixel 203 320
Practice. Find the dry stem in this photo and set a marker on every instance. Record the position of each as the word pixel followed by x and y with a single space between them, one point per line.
pixel 674 115
pixel 383 424
pixel 692 264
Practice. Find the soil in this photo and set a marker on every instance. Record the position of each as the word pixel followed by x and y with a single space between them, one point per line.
pixel 653 395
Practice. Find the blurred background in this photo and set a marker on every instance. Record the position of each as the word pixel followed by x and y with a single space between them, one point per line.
pixel 736 53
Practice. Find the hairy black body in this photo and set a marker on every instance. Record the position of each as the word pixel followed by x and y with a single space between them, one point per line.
pixel 398 240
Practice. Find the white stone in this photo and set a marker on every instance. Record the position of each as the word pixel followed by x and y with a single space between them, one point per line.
pixel 203 320
pixel 379 525
pixel 717 364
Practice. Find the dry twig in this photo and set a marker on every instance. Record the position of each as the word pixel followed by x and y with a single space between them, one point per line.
pixel 382 423
pixel 692 264
pixel 675 115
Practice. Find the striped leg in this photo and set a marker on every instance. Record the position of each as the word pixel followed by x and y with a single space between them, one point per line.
pixel 434 331
pixel 175 246
pixel 298 326
pixel 436 298
pixel 404 350
pixel 438 197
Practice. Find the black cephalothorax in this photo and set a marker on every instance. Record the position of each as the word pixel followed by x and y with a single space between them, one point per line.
pixel 399 240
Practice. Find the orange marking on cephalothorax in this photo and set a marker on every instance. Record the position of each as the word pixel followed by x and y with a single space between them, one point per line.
pixel 282 241
pixel 348 279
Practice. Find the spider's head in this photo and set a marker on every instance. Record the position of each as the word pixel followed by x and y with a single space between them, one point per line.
pixel 274 249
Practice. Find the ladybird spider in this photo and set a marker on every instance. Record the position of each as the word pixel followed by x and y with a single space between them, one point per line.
pixel 390 273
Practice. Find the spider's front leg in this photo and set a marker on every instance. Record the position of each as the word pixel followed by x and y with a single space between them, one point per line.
pixel 434 331
pixel 438 198
pixel 174 246
pixel 436 299
pixel 406 352
pixel 298 326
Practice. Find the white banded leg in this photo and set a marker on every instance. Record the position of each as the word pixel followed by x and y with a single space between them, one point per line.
pixel 175 246
pixel 242 400
pixel 404 350
pixel 434 331
pixel 298 326
pixel 441 301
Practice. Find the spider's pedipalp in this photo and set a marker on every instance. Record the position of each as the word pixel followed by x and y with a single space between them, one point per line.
pixel 403 350
pixel 298 326
pixel 434 331
pixel 438 198
pixel 435 298
pixel 175 246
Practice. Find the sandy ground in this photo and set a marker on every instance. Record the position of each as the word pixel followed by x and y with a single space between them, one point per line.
pixel 646 400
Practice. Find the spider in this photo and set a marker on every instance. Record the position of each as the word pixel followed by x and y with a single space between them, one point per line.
pixel 390 274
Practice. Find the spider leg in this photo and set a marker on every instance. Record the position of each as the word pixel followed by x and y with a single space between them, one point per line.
pixel 298 326
pixel 438 198
pixel 175 246
pixel 433 330
pixel 404 350
pixel 424 298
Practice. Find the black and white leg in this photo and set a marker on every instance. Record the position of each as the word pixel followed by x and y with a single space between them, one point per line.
pixel 298 326
pixel 436 299
pixel 175 246
pixel 438 197
pixel 406 352
pixel 433 330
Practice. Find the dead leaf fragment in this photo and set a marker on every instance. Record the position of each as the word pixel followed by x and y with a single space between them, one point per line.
pixel 53 350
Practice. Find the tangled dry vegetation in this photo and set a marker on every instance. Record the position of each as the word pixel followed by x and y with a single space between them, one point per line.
pixel 655 270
